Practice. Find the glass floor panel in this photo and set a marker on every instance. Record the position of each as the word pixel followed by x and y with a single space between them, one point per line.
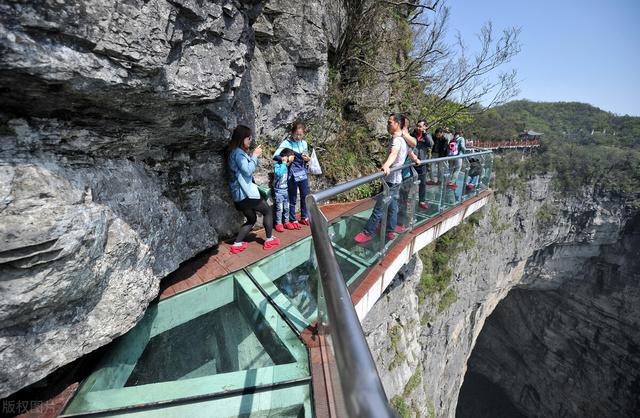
pixel 292 401
pixel 194 350
pixel 423 215
pixel 451 197
pixel 214 338
pixel 342 235
pixel 290 278
pixel 433 197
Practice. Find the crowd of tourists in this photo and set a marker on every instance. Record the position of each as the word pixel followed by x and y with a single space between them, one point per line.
pixel 291 170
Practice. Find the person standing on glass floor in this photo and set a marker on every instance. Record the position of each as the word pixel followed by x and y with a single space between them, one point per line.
pixel 398 150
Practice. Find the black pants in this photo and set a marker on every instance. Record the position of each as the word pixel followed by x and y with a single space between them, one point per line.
pixel 249 207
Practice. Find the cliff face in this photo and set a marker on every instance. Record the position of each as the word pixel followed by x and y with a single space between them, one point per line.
pixel 522 247
pixel 566 341
pixel 114 116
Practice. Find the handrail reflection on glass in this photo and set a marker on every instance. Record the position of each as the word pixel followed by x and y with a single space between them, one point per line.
pixel 362 391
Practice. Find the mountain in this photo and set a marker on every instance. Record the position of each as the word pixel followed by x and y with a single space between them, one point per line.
pixel 582 146
pixel 577 122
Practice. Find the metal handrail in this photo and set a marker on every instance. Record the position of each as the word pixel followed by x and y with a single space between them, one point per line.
pixel 363 393
pixel 323 195
pixel 362 390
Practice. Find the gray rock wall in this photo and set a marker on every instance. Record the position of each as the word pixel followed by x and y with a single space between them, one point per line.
pixel 510 237
pixel 113 118
pixel 570 346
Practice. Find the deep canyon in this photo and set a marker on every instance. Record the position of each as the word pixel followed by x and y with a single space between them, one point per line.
pixel 546 312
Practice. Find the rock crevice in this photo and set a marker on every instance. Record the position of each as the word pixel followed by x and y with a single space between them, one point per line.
pixel 567 345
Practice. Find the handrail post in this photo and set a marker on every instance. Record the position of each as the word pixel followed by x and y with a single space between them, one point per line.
pixel 491 161
pixel 483 168
pixel 386 199
pixel 464 180
pixel 442 182
pixel 411 201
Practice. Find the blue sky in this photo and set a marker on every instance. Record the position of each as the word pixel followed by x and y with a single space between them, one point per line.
pixel 586 51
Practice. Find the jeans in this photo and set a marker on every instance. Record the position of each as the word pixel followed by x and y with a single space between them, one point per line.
pixel 392 213
pixel 422 186
pixel 423 154
pixel 282 206
pixel 455 166
pixel 403 202
pixel 294 186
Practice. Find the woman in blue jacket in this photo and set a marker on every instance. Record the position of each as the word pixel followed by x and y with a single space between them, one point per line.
pixel 245 193
pixel 298 172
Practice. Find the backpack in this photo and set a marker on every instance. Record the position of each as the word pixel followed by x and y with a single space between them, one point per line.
pixel 453 147
pixel 475 167
pixel 440 148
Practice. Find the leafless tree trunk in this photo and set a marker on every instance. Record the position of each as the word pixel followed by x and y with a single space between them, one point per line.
pixel 447 78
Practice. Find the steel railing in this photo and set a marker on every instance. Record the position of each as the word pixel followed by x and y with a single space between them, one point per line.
pixel 362 394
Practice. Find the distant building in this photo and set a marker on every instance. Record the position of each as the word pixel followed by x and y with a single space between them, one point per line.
pixel 529 136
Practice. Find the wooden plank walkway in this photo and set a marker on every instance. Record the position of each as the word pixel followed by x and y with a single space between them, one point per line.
pixel 219 261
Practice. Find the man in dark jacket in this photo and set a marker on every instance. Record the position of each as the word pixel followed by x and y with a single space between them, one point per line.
pixel 440 149
pixel 424 146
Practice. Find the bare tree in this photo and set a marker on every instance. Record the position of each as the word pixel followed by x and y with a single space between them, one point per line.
pixel 450 79
pixel 455 76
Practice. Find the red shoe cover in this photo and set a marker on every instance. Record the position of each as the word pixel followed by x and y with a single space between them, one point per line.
pixel 362 238
pixel 235 249
pixel 269 244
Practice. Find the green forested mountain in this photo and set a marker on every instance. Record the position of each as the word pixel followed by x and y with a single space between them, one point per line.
pixel 582 145
pixel 562 120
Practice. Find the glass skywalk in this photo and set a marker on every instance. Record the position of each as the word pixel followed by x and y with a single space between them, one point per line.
pixel 232 347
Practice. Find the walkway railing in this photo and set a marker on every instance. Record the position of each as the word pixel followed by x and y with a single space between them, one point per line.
pixel 528 143
pixel 353 376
